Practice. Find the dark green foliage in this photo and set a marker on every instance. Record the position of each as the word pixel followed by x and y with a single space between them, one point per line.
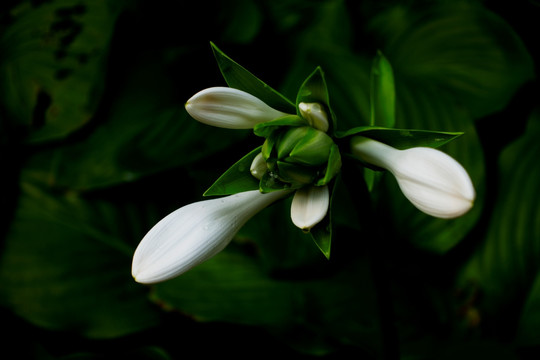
pixel 96 147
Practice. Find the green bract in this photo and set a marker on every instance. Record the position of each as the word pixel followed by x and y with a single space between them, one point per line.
pixel 296 156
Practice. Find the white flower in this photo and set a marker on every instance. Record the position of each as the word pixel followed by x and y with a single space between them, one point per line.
pixel 309 206
pixel 195 233
pixel 230 108
pixel 198 231
pixel 315 115
pixel 433 181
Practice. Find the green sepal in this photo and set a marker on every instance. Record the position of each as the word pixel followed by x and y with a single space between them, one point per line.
pixel 296 174
pixel 237 178
pixel 314 89
pixel 382 93
pixel 268 147
pixel 322 232
pixel 312 149
pixel 402 138
pixel 270 182
pixel 289 139
pixel 266 128
pixel 333 167
pixel 238 77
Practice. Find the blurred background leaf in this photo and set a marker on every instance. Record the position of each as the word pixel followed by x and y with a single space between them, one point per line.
pixel 504 267
pixel 64 266
pixel 53 58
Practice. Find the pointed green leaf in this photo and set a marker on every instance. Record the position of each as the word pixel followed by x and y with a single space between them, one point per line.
pixel 322 232
pixel 314 89
pixel 403 138
pixel 238 77
pixel 237 178
pixel 333 167
pixel 268 147
pixel 383 93
pixel 265 129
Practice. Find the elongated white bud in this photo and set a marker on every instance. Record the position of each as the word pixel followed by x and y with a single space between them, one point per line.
pixel 195 233
pixel 315 115
pixel 309 206
pixel 433 181
pixel 230 108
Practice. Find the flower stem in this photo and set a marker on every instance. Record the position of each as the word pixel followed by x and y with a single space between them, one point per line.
pixel 377 251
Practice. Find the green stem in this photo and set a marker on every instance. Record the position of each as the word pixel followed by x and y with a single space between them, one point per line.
pixel 379 264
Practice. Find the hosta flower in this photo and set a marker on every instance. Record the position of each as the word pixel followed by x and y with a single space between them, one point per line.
pixel 230 108
pixel 433 181
pixel 194 233
pixel 198 231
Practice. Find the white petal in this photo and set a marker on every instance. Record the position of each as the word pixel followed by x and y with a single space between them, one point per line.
pixel 195 233
pixel 309 206
pixel 230 108
pixel 433 181
pixel 315 115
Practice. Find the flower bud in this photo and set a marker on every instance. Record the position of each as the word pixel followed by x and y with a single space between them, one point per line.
pixel 309 206
pixel 195 233
pixel 315 115
pixel 230 108
pixel 433 181
pixel 305 145
pixel 258 166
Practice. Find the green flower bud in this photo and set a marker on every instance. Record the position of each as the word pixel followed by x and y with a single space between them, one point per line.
pixel 288 140
pixel 258 166
pixel 313 149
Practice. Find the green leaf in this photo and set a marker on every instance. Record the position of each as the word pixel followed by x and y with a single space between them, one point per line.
pixel 528 332
pixel 145 132
pixel 333 166
pixel 234 286
pixel 266 128
pixel 65 265
pixel 238 77
pixel 52 70
pixel 314 89
pixel 229 287
pixel 403 138
pixel 237 178
pixel 382 93
pixel 322 232
pixel 460 47
pixel 505 266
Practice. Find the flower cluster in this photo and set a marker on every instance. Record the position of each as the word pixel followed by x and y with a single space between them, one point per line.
pixel 299 158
